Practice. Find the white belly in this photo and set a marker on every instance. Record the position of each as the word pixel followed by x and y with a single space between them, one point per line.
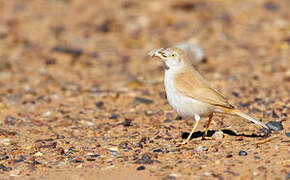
pixel 183 105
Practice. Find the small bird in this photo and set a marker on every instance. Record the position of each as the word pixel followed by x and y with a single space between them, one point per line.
pixel 189 94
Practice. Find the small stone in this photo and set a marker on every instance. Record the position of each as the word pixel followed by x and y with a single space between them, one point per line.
pixel 158 150
pixel 274 125
pixel 46 114
pixel 255 173
pixel 78 160
pixel 38 154
pixel 218 135
pixel 4 157
pixel 140 168
pixel 15 173
pixel 50 61
pixel 235 94
pixel 243 153
pixel 169 178
pixel 99 104
pixel 244 105
pixel 178 118
pixel 145 159
pixel 271 6
pixel 5 141
pixel 257 158
pixel 113 149
pixel 139 100
pixel 287 176
pixel 67 50
pixel 10 121
pixel 114 116
pixel 114 154
pixel 288 134
pixel 4 168
pixel 201 148
pixel 127 122
pixel 206 173
pixel 124 145
pixel 94 155
pixel 20 159
pixel 90 159
pixel 167 121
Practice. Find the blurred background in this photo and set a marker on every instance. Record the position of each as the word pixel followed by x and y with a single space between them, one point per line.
pixel 76 71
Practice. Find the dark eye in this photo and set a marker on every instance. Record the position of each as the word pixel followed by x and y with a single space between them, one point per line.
pixel 173 55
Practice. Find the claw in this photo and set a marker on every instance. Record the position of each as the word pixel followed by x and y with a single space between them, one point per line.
pixel 207 138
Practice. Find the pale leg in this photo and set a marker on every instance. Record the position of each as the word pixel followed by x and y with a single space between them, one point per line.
pixel 207 126
pixel 197 118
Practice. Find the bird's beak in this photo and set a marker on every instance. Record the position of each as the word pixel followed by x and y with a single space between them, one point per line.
pixel 158 53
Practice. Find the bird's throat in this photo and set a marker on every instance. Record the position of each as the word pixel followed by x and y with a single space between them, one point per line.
pixel 166 67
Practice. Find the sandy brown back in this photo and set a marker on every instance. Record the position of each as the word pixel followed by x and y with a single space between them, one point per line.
pixel 190 83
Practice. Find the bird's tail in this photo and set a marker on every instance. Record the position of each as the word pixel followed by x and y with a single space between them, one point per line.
pixel 245 116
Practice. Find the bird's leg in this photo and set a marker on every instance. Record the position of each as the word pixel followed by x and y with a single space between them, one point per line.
pixel 197 118
pixel 207 126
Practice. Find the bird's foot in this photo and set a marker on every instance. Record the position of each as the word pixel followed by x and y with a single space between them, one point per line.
pixel 207 138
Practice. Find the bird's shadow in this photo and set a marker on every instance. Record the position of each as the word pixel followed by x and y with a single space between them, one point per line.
pixel 229 132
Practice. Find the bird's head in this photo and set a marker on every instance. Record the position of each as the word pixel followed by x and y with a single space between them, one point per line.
pixel 172 57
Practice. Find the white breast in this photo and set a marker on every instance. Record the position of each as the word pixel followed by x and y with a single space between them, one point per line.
pixel 183 105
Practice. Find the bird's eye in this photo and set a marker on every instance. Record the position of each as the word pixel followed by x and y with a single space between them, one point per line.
pixel 173 55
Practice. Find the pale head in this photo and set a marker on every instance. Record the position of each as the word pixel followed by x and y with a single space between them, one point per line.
pixel 172 57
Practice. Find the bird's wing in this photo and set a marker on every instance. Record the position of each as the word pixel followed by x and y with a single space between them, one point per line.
pixel 193 85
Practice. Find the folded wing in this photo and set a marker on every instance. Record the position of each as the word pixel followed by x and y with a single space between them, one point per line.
pixel 193 85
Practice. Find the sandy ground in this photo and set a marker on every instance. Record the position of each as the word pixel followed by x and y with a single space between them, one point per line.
pixel 81 99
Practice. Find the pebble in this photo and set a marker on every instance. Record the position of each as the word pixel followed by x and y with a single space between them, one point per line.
pixel 46 114
pixel 244 105
pixel 145 159
pixel 206 173
pixel 235 94
pixel 99 104
pixel 243 153
pixel 38 154
pixel 114 116
pixel 140 168
pixel 127 122
pixel 5 141
pixel 178 118
pixel 114 154
pixel 95 155
pixel 257 158
pixel 288 134
pixel 201 148
pixel 274 125
pixel 271 6
pixel 287 176
pixel 10 121
pixel 255 173
pixel 4 157
pixel 4 168
pixel 169 178
pixel 67 50
pixel 158 150
pixel 218 135
pixel 139 100
pixel 167 121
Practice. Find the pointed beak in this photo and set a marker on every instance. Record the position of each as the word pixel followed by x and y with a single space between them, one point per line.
pixel 158 53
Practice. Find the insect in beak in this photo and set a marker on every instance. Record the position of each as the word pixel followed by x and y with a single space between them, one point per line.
pixel 158 53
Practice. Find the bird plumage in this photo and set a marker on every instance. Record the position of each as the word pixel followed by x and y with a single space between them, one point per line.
pixel 189 93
